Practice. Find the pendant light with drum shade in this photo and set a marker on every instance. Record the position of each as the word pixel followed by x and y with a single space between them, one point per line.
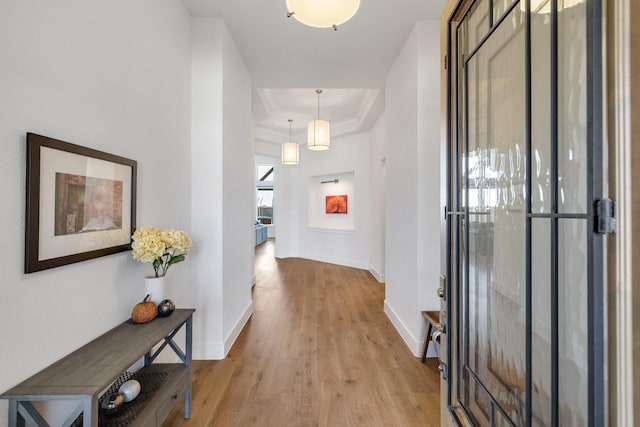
pixel 290 150
pixel 319 131
pixel 322 14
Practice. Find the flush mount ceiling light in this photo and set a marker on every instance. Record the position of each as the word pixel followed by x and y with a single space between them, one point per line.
pixel 290 150
pixel 322 14
pixel 318 132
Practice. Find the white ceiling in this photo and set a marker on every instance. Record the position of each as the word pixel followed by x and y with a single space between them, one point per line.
pixel 288 61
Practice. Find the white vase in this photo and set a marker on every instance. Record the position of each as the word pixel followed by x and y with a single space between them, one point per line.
pixel 154 287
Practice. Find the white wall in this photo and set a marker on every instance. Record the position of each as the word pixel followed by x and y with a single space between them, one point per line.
pixel 377 205
pixel 238 192
pixel 206 185
pixel 222 189
pixel 113 76
pixel 297 238
pixel 412 172
pixel 430 212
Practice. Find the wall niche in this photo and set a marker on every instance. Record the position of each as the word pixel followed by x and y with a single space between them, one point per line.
pixel 332 202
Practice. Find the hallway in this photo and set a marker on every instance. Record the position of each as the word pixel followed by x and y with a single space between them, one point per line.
pixel 318 351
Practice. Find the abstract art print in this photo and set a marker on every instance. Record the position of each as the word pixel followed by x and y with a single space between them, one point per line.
pixel 336 204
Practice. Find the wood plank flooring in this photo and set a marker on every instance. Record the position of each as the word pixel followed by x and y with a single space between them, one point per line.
pixel 317 351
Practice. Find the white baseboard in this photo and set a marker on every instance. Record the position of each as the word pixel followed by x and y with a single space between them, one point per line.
pixel 337 261
pixel 235 332
pixel 208 351
pixel 415 345
pixel 375 273
pixel 219 350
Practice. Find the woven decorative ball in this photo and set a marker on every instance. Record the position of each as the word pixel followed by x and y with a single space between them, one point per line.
pixel 144 312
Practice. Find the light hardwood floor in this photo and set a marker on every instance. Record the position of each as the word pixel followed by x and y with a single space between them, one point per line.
pixel 317 351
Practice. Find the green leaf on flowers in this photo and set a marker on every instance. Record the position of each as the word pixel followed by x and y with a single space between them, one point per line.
pixel 176 259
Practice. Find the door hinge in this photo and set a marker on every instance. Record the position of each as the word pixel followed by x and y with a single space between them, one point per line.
pixel 605 220
pixel 445 62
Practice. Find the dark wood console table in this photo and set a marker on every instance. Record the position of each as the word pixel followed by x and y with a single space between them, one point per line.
pixel 88 371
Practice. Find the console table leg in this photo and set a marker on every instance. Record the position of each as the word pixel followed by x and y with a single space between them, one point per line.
pixel 187 393
pixel 28 413
pixel 187 402
pixel 15 419
pixel 90 412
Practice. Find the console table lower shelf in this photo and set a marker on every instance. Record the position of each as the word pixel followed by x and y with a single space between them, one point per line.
pixel 162 386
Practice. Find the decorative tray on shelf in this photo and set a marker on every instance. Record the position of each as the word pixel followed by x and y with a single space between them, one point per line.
pixel 150 382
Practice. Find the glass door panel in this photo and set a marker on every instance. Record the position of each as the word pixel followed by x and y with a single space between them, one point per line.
pixel 572 106
pixel 540 107
pixel 500 7
pixel 541 322
pixel 476 26
pixel 520 216
pixel 495 168
pixel 573 323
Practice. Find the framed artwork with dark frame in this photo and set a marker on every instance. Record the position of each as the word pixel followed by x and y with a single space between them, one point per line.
pixel 81 203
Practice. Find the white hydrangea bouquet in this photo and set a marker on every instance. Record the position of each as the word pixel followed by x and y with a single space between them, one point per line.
pixel 162 248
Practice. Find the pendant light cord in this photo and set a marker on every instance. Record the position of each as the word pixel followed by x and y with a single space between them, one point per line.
pixel 318 91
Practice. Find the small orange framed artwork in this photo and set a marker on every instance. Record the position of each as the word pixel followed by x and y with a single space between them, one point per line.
pixel 336 204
